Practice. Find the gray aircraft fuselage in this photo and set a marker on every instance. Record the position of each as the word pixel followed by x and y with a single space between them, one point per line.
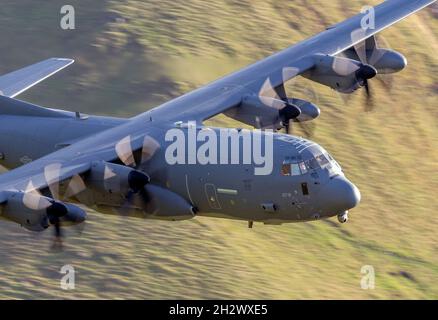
pixel 306 183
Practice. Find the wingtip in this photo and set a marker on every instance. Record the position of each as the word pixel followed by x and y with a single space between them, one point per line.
pixel 65 59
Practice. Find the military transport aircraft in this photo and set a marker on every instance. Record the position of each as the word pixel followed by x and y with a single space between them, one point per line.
pixel 61 159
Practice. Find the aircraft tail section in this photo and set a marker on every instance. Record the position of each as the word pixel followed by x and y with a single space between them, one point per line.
pixel 16 82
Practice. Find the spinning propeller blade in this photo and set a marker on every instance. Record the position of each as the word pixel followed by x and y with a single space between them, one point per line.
pixel 277 98
pixel 138 193
pixel 369 55
pixel 57 211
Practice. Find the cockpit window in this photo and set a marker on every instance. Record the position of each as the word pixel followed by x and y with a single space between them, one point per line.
pixel 293 166
pixel 295 169
pixel 303 167
pixel 326 161
pixel 285 169
pixel 312 164
pixel 322 160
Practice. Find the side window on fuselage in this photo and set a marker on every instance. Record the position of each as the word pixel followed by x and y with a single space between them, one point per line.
pixel 285 169
pixel 292 167
pixel 295 169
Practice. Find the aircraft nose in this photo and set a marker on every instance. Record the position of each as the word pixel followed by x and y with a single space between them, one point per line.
pixel 341 195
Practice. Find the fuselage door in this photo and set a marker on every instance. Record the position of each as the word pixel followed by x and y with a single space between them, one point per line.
pixel 211 194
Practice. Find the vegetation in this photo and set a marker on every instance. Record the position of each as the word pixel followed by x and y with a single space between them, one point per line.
pixel 133 55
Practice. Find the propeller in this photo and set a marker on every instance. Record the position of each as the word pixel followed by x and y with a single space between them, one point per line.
pixel 362 71
pixel 127 155
pixel 387 80
pixel 287 114
pixel 369 55
pixel 137 180
pixel 57 212
pixel 54 213
pixel 277 98
pixel 365 73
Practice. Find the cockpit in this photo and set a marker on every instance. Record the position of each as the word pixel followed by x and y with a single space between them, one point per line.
pixel 310 162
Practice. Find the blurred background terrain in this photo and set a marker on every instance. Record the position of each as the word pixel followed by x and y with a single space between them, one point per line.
pixel 133 55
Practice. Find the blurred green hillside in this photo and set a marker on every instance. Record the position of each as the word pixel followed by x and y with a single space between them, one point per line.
pixel 133 55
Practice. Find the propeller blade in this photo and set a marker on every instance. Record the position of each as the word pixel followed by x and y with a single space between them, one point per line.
pixel 269 96
pixel 281 92
pixel 367 88
pixel 360 46
pixel 369 97
pixel 57 228
pixel 75 186
pixel 125 153
pixel 137 182
pixel 150 147
pixel 33 199
pixel 277 97
pixel 344 67
pixel 373 55
pixel 55 212
pixel 288 127
pixel 52 173
pixel 57 244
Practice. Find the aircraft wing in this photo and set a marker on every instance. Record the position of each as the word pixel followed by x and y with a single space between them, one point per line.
pixel 198 105
pixel 273 71
pixel 75 159
pixel 14 83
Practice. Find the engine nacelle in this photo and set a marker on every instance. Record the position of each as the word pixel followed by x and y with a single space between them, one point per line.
pixel 167 205
pixel 341 74
pixel 106 177
pixel 385 61
pixel 34 212
pixel 268 114
pixel 28 210
pixel 309 111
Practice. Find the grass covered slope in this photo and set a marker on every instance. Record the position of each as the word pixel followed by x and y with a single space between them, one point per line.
pixel 132 55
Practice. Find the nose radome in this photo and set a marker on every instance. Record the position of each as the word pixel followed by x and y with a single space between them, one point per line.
pixel 342 195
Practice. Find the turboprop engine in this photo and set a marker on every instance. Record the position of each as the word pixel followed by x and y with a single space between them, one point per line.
pixel 384 60
pixel 341 74
pixel 352 69
pixel 107 177
pixel 271 113
pixel 129 192
pixel 36 212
